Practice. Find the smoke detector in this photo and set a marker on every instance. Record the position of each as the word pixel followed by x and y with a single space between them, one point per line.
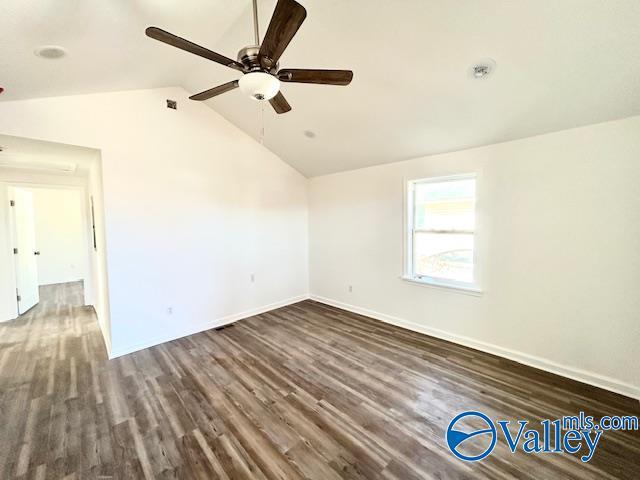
pixel 50 52
pixel 482 69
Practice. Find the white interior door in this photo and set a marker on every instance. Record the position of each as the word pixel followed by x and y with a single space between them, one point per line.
pixel 24 233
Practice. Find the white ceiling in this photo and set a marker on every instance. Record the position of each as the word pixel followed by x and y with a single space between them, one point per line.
pixel 108 49
pixel 560 65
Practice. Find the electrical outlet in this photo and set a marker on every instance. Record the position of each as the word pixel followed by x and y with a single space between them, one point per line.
pixel 169 310
pixel 253 278
pixel 350 288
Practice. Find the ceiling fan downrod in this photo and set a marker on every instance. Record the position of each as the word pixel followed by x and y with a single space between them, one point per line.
pixel 256 33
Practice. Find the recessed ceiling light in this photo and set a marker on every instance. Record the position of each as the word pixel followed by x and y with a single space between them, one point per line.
pixel 309 134
pixel 483 68
pixel 51 52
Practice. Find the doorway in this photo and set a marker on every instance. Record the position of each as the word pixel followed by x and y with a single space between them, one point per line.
pixel 51 240
pixel 52 231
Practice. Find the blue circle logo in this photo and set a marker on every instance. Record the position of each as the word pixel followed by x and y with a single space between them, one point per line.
pixel 458 439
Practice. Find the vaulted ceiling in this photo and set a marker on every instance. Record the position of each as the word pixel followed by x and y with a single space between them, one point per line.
pixel 559 65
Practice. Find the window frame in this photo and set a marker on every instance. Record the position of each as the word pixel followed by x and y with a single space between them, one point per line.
pixel 409 275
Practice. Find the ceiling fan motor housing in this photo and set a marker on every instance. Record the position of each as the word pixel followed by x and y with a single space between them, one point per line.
pixel 249 57
pixel 258 83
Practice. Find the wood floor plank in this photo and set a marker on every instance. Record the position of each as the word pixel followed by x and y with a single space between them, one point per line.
pixel 307 391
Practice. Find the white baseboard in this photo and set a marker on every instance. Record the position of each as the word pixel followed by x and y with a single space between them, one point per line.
pixel 118 352
pixel 7 316
pixel 107 340
pixel 106 334
pixel 580 375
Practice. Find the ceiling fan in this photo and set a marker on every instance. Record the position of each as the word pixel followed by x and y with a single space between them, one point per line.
pixel 259 63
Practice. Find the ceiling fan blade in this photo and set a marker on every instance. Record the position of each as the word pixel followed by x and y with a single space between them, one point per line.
pixel 280 104
pixel 179 42
pixel 324 77
pixel 212 92
pixel 285 22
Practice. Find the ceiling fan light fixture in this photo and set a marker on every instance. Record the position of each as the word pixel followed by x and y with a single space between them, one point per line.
pixel 259 85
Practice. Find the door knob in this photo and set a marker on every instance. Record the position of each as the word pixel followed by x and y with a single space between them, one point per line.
pixel 37 252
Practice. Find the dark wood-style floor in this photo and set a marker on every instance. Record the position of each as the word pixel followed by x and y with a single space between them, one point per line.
pixel 306 391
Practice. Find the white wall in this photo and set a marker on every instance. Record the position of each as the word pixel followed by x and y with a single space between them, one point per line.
pixel 99 293
pixel 558 236
pixel 192 206
pixel 60 235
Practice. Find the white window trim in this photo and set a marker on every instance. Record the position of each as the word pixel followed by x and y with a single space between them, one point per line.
pixel 409 276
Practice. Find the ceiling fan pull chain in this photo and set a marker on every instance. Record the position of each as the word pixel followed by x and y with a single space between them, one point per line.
pixel 262 123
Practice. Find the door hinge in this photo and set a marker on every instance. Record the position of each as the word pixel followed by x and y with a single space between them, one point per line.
pixel 12 203
pixel 15 251
pixel 18 295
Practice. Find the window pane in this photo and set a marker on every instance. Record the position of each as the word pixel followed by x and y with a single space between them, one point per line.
pixel 444 255
pixel 448 205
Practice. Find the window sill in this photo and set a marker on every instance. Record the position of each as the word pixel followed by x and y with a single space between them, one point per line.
pixel 464 289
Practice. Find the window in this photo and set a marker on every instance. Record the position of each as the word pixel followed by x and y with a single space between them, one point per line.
pixel 441 231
